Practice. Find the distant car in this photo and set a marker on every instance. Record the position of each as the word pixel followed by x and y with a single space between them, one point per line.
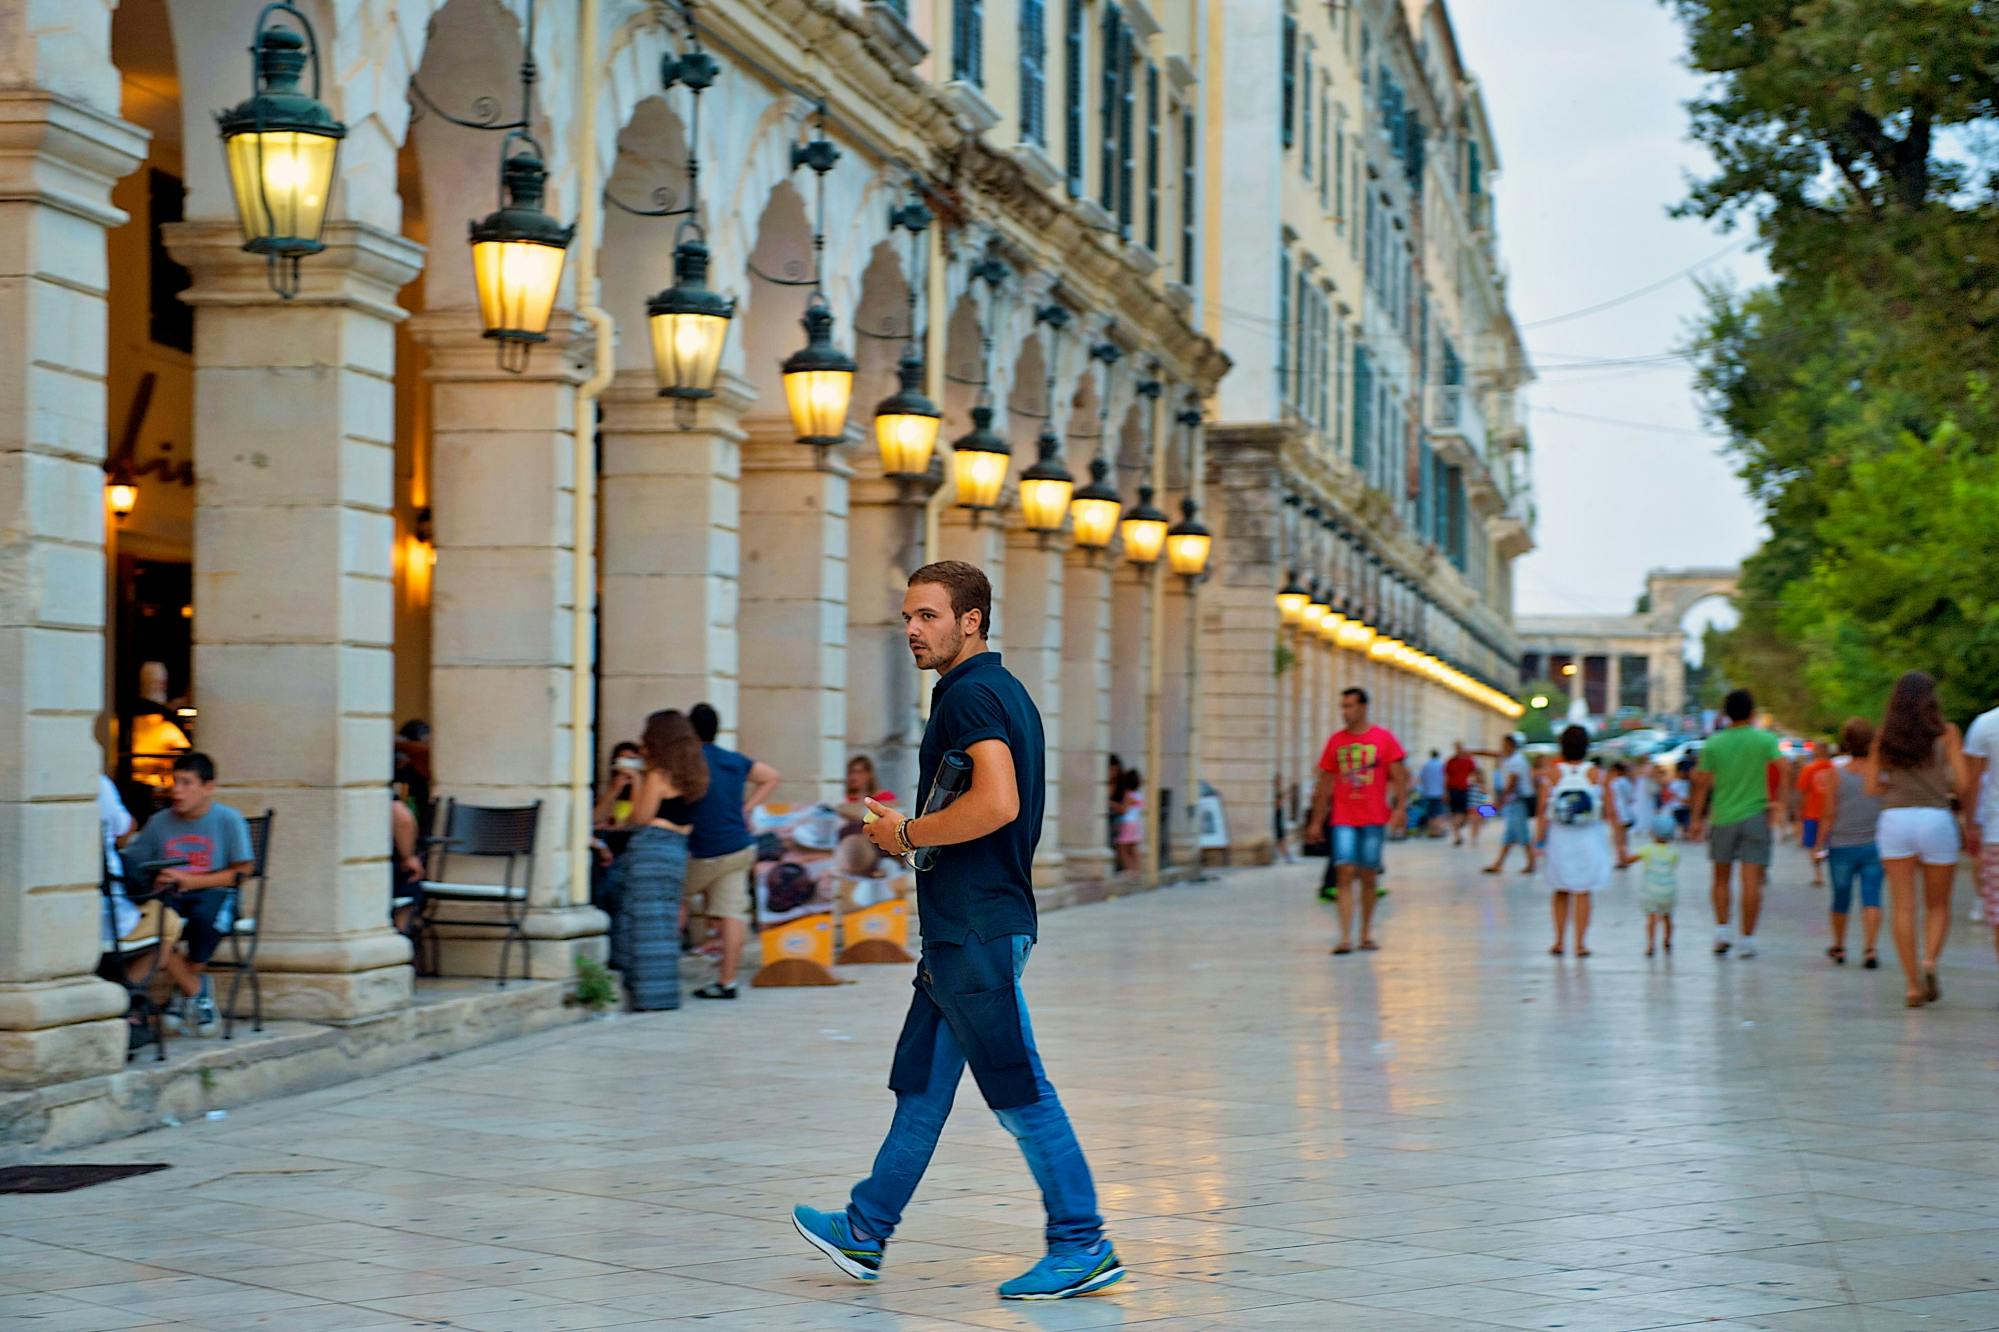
pixel 1670 758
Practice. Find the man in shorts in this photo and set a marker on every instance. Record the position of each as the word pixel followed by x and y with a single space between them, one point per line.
pixel 1515 780
pixel 1460 771
pixel 721 852
pixel 1363 785
pixel 1736 769
pixel 1980 801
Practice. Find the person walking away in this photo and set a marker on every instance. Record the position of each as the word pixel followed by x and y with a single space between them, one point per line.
pixel 214 840
pixel 1811 807
pixel 1430 788
pixel 645 934
pixel 1460 772
pixel 1130 807
pixel 1735 768
pixel 1660 887
pixel 1577 811
pixel 1917 770
pixel 721 851
pixel 1680 793
pixel 1644 797
pixel 1621 828
pixel 1363 787
pixel 1515 794
pixel 1277 819
pixel 978 925
pixel 1847 817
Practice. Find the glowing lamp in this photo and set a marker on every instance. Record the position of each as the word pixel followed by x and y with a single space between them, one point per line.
pixel 979 461
pixel 1292 600
pixel 1046 487
pixel 281 146
pixel 689 323
pixel 517 257
pixel 906 422
pixel 1189 542
pixel 1093 510
pixel 1143 529
pixel 818 381
pixel 124 497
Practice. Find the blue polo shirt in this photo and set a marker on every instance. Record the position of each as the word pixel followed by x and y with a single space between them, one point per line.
pixel 983 887
pixel 719 827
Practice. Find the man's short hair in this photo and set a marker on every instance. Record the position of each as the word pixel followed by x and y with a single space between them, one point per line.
pixel 1739 706
pixel 968 585
pixel 706 724
pixel 196 762
pixel 1356 693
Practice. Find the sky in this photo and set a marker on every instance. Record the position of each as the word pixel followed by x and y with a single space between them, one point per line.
pixel 1593 153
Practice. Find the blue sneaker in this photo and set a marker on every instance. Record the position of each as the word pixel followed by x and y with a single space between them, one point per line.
pixel 829 1233
pixel 1062 1276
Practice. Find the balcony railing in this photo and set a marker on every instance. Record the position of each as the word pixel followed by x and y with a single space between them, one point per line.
pixel 1453 411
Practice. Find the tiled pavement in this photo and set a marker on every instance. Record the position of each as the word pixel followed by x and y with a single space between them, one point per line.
pixel 1455 1133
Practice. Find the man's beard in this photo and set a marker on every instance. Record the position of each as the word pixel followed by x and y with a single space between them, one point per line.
pixel 946 652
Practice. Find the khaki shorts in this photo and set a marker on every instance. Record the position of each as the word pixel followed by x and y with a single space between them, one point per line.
pixel 725 882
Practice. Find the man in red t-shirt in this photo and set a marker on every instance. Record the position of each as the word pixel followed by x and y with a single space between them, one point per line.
pixel 1460 771
pixel 1364 782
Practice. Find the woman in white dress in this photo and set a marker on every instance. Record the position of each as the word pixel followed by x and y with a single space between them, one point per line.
pixel 1577 811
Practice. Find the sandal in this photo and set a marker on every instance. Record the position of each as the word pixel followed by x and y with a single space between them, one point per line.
pixel 1556 951
pixel 1369 946
pixel 1931 990
pixel 1871 962
pixel 1837 954
pixel 1912 1001
pixel 1342 950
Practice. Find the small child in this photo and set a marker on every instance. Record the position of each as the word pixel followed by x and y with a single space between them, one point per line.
pixel 1662 880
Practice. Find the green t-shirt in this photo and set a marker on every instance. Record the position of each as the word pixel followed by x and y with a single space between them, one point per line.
pixel 1740 759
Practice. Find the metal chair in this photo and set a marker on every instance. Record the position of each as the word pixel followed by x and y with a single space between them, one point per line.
pixel 115 964
pixel 504 833
pixel 245 930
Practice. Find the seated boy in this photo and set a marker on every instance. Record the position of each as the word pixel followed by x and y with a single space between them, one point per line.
pixel 214 840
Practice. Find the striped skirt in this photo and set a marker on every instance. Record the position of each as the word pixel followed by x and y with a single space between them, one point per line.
pixel 645 935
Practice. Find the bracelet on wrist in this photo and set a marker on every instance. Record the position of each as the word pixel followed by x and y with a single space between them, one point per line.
pixel 902 836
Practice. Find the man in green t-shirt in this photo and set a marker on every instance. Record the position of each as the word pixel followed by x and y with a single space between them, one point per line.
pixel 1735 769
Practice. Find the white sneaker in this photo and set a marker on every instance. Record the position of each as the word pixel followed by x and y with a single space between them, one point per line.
pixel 1747 948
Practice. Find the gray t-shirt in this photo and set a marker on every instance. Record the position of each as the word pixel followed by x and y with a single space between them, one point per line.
pixel 218 839
pixel 1517 767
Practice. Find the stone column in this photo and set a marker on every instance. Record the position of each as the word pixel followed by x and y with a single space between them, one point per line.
pixel 1177 700
pixel 503 486
pixel 793 620
pixel 1131 658
pixel 669 499
pixel 1238 631
pixel 1030 627
pixel 294 632
pixel 883 697
pixel 1613 682
pixel 1086 714
pixel 58 161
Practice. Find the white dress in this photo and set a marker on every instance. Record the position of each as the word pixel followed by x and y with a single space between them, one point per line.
pixel 1579 855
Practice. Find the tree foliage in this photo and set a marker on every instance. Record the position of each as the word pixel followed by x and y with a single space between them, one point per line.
pixel 1860 138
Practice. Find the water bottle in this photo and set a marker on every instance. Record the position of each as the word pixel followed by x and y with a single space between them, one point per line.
pixel 954 774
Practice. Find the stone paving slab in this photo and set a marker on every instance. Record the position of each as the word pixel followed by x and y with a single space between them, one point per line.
pixel 1458 1132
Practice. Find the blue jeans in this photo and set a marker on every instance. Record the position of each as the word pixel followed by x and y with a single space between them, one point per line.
pixel 1042 1128
pixel 1849 863
pixel 1359 846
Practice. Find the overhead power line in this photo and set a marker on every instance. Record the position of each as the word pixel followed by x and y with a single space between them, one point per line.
pixel 1645 290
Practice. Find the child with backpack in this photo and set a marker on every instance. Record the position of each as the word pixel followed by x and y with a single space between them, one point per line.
pixel 1577 811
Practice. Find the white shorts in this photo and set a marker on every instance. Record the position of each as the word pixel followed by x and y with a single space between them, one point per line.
pixel 1928 834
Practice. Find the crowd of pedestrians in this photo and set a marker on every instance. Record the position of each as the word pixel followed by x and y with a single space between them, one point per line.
pixel 1891 807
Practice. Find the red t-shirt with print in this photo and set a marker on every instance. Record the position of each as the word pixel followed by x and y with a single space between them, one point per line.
pixel 1358 765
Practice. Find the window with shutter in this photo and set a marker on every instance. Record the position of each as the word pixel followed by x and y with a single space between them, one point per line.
pixel 1188 199
pixel 968 35
pixel 1289 74
pixel 1127 127
pixel 1072 96
pixel 1363 405
pixel 1152 157
pixel 1033 73
pixel 1301 311
pixel 1340 169
pixel 1110 102
pixel 1305 114
pixel 1284 326
pixel 1325 355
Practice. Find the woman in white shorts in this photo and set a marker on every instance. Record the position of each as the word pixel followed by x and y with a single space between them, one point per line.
pixel 1917 770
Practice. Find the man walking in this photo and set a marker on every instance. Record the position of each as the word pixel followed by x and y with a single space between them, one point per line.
pixel 1516 803
pixel 1735 768
pixel 1365 784
pixel 1430 785
pixel 977 911
pixel 721 852
pixel 1460 771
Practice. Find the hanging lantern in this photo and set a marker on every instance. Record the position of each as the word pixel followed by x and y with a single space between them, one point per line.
pixel 818 380
pixel 1046 487
pixel 1094 509
pixel 906 421
pixel 1291 599
pixel 517 257
pixel 979 461
pixel 1358 636
pixel 281 147
pixel 123 497
pixel 1315 611
pixel 690 322
pixel 1143 529
pixel 1331 626
pixel 1189 542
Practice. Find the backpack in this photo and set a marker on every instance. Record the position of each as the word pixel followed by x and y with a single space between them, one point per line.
pixel 1575 799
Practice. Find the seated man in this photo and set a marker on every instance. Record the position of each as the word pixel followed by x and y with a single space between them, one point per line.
pixel 214 840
